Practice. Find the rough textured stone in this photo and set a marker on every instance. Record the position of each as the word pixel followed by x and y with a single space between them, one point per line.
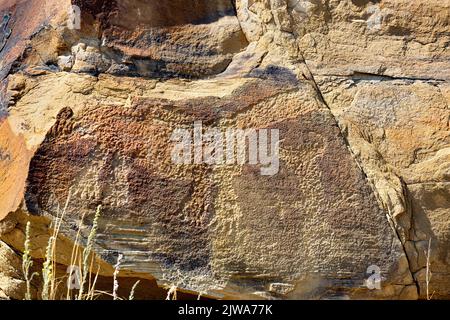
pixel 400 130
pixel 358 89
pixel 12 284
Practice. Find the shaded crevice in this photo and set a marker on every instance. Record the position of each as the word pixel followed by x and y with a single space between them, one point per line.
pixel 367 76
pixel 410 215
pixel 5 31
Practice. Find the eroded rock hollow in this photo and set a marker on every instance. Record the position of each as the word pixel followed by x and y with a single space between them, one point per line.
pixel 91 93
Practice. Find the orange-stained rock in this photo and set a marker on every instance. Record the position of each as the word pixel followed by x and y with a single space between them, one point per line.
pixel 14 163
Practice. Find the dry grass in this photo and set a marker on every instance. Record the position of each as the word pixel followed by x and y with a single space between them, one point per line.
pixel 428 272
pixel 133 289
pixel 116 274
pixel 86 265
pixel 81 260
pixel 27 263
pixel 172 293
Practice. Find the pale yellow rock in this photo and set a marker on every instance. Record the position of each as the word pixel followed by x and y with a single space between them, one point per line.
pixel 358 88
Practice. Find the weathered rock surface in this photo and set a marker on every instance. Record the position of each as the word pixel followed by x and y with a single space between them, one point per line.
pixel 404 149
pixel 358 89
pixel 12 284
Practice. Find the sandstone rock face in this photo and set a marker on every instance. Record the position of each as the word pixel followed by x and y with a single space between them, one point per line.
pixel 153 39
pixel 404 149
pixel 11 282
pixel 358 91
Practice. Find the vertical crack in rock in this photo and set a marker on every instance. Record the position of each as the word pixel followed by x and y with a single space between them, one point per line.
pixel 391 219
pixel 374 112
pixel 90 112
